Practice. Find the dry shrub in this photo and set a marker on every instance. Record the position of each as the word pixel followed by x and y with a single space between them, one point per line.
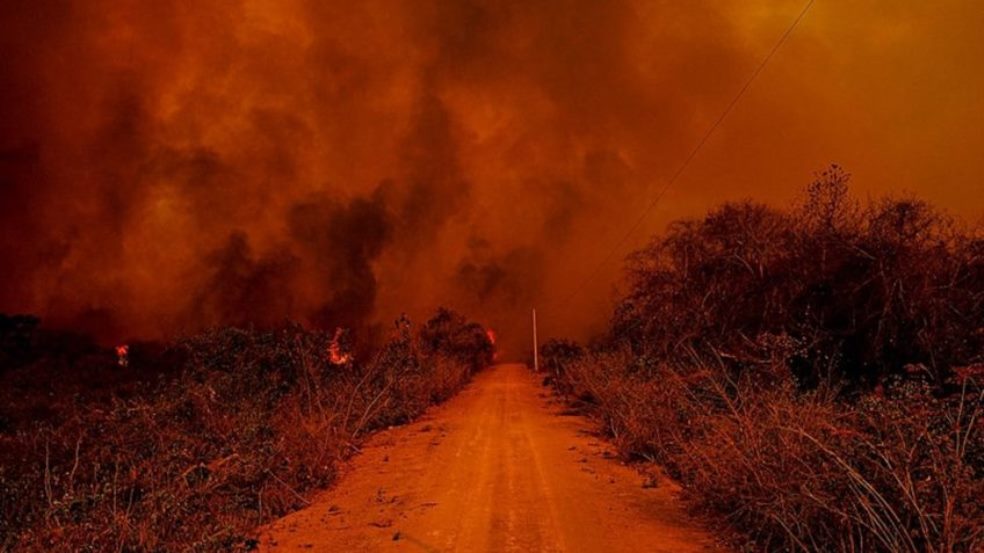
pixel 813 375
pixel 898 472
pixel 859 291
pixel 253 423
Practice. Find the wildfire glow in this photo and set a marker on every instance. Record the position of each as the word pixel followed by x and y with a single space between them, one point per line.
pixel 123 355
pixel 335 354
pixel 491 334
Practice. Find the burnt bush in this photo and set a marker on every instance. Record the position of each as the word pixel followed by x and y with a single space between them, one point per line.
pixel 449 334
pixel 249 425
pixel 18 340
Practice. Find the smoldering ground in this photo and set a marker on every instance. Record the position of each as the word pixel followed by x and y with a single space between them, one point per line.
pixel 173 165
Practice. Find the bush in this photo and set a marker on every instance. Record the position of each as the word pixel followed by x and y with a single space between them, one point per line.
pixel 253 422
pixel 461 340
pixel 901 471
pixel 814 376
pixel 856 292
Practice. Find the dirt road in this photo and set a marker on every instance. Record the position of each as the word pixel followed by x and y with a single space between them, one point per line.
pixel 498 468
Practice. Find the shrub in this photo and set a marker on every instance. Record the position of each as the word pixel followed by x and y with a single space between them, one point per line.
pixel 902 471
pixel 252 423
pixel 813 376
pixel 860 291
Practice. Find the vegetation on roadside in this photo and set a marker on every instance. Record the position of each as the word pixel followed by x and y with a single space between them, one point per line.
pixel 242 426
pixel 813 376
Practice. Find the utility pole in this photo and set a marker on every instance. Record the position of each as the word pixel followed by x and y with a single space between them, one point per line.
pixel 536 350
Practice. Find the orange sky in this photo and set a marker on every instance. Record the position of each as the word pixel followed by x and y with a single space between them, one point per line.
pixel 169 165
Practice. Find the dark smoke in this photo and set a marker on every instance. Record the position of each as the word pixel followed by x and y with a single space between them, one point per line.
pixel 170 165
pixel 243 290
pixel 341 243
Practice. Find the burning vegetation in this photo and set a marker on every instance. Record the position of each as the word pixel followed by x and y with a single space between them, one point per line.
pixel 336 350
pixel 813 376
pixel 214 169
pixel 123 355
pixel 197 442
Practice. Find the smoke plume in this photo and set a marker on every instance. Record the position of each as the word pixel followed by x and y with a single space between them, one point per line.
pixel 171 165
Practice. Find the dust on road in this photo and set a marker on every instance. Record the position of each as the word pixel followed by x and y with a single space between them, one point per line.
pixel 500 467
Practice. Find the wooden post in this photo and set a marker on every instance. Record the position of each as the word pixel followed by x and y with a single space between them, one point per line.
pixel 536 350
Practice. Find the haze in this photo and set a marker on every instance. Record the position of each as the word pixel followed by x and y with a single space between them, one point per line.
pixel 168 166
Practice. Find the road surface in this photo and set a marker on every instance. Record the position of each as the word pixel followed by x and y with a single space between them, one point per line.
pixel 500 467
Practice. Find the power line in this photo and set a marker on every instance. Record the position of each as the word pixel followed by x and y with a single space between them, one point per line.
pixel 690 157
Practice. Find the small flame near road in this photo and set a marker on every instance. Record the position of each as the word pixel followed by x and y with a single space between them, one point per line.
pixel 335 354
pixel 491 334
pixel 123 355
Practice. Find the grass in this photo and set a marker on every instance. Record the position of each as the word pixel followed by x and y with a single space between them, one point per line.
pixel 814 377
pixel 794 471
pixel 242 432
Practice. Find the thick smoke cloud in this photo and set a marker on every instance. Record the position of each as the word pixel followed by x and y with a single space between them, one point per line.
pixel 171 165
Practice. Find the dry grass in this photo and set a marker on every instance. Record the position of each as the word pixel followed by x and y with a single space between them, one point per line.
pixel 813 376
pixel 897 472
pixel 252 423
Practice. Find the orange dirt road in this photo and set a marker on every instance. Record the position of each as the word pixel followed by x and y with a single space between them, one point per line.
pixel 496 468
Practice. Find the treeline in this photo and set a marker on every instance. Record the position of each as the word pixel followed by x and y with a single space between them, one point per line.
pixel 836 289
pixel 241 431
pixel 814 376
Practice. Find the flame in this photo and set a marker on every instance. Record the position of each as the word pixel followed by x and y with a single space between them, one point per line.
pixel 491 334
pixel 123 355
pixel 335 354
